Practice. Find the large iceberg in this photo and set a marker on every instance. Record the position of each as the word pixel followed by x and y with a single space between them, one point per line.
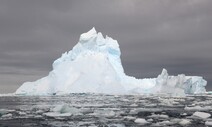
pixel 94 66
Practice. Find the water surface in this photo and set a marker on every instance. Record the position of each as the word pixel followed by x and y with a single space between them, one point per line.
pixel 102 110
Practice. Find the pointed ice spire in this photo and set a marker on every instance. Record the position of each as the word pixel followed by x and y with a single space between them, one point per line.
pixel 92 31
pixel 164 74
pixel 100 40
pixel 86 36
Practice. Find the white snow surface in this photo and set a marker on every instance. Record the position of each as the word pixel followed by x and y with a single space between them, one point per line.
pixel 141 121
pixel 184 122
pixel 94 66
pixel 202 115
pixel 208 123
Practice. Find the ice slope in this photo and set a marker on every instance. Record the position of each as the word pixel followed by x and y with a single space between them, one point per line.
pixel 94 66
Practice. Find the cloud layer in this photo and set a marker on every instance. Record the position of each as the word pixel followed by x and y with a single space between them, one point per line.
pixel 152 35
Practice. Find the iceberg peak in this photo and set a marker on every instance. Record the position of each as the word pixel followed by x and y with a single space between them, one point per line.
pixel 164 73
pixel 88 35
pixel 94 66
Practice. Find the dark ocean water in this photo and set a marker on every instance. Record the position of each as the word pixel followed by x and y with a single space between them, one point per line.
pixel 96 110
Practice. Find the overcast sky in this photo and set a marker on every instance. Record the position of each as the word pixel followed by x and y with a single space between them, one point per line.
pixel 153 34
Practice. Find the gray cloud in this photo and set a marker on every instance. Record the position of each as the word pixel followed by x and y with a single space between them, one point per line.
pixel 152 35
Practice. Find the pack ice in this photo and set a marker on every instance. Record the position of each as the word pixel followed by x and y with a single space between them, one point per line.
pixel 94 66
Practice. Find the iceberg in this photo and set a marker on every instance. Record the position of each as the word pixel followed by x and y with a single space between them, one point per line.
pixel 94 66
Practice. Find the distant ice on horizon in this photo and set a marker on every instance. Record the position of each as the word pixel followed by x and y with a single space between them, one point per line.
pixel 94 66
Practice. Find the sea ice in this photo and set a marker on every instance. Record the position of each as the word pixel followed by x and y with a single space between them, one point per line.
pixel 163 123
pixel 129 117
pixel 94 66
pixel 7 115
pixel 184 122
pixel 198 108
pixel 159 116
pixel 208 123
pixel 202 115
pixel 141 121
pixel 63 110
pixel 5 111
pixel 56 114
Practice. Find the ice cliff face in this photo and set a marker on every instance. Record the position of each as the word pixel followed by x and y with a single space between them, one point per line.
pixel 94 66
